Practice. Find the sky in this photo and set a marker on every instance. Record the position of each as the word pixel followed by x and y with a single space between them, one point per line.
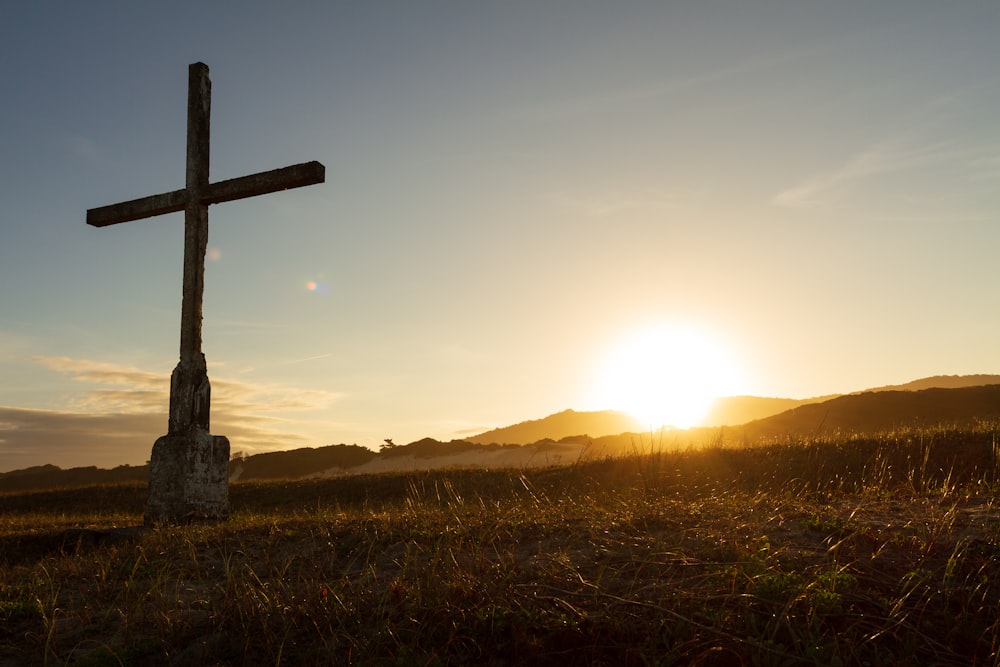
pixel 794 198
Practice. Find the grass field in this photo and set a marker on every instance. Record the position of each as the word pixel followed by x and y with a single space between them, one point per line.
pixel 876 551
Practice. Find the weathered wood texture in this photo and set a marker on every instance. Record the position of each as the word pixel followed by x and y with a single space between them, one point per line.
pixel 199 114
pixel 265 182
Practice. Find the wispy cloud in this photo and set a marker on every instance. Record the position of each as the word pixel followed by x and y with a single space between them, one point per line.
pixel 136 392
pixel 312 358
pixel 931 135
pixel 116 419
pixel 828 188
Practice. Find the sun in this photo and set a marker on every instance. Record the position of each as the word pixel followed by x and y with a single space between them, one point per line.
pixel 666 375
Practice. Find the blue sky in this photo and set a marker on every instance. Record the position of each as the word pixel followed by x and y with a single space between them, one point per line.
pixel 513 189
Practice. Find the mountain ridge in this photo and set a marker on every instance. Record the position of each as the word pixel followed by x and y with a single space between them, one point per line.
pixel 560 425
pixel 873 411
pixel 882 411
pixel 940 382
pixel 725 411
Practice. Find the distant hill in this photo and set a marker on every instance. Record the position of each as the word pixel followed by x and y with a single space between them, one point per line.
pixel 881 411
pixel 294 463
pixel 333 460
pixel 561 425
pixel 942 382
pixel 732 410
pixel 570 436
pixel 726 411
pixel 53 477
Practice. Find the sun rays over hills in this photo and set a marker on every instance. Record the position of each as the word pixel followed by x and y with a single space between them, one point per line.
pixel 569 436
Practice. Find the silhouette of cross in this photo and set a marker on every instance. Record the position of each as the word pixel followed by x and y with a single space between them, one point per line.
pixel 189 392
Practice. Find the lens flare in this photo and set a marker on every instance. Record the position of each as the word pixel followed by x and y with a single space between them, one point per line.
pixel 317 286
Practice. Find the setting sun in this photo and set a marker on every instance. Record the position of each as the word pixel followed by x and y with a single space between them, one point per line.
pixel 666 376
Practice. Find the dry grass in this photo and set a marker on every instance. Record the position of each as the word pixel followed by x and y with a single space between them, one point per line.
pixel 883 551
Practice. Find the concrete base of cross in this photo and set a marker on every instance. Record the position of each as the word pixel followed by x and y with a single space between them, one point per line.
pixel 188 479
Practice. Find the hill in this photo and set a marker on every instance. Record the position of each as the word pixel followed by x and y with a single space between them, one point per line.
pixel 571 436
pixel 942 382
pixel 53 477
pixel 294 463
pixel 725 411
pixel 561 425
pixel 731 410
pixel 880 412
pixel 331 461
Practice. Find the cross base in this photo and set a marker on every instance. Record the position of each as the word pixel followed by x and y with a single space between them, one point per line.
pixel 188 479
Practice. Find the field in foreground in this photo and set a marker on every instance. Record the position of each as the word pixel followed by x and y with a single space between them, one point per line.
pixel 879 551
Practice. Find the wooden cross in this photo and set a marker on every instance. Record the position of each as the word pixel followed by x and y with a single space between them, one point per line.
pixel 189 392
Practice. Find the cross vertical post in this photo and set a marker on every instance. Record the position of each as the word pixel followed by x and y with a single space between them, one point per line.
pixel 190 391
pixel 196 211
pixel 189 467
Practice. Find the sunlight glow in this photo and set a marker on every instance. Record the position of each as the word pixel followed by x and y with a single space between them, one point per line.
pixel 667 375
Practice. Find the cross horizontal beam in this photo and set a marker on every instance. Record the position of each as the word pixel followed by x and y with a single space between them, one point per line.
pixel 295 176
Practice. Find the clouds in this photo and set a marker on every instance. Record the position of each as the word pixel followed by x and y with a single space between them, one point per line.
pixel 117 416
pixel 71 439
pixel 826 189
pixel 929 151
pixel 139 392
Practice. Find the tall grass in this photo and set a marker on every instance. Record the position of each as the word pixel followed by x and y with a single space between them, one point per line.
pixel 880 551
